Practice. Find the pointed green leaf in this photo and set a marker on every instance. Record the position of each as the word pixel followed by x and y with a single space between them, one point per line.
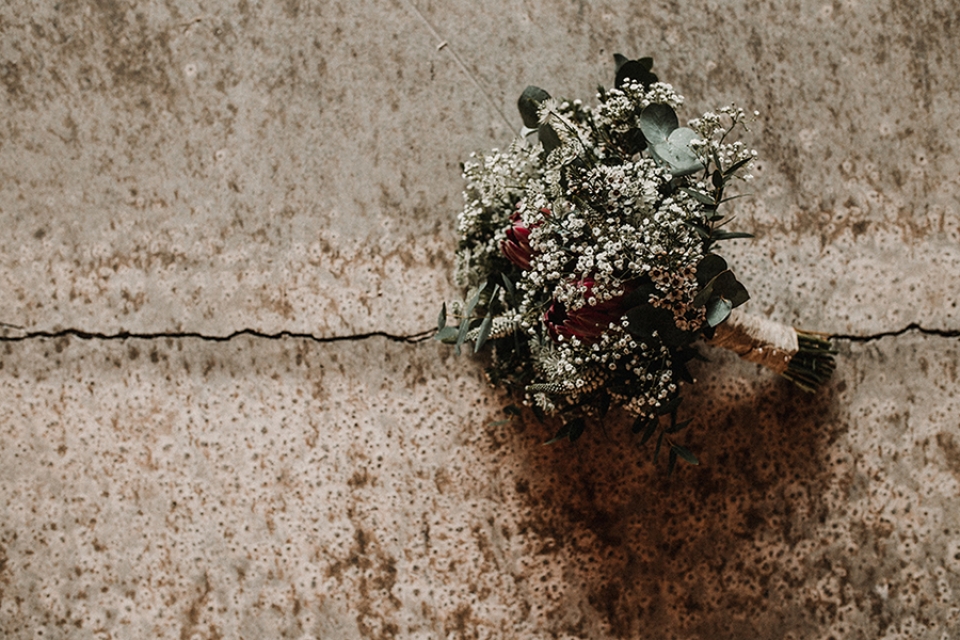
pixel 619 60
pixel 638 424
pixel 656 450
pixel 736 165
pixel 650 429
pixel 717 179
pixel 722 234
pixel 462 334
pixel 507 285
pixel 472 304
pixel 679 426
pixel 538 413
pixel 485 327
pixel 442 318
pixel 699 196
pixel 686 454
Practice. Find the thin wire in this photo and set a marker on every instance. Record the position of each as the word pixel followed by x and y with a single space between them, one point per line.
pixel 443 44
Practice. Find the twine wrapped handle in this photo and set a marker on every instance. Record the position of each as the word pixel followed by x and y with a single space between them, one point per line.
pixel 806 359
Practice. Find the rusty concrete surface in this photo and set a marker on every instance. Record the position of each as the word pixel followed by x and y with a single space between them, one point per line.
pixel 179 169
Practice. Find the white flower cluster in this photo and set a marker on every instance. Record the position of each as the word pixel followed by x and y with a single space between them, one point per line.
pixel 495 183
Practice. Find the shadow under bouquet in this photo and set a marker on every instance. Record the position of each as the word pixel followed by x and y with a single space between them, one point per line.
pixel 589 258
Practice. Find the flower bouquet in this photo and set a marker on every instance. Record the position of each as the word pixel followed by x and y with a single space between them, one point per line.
pixel 589 257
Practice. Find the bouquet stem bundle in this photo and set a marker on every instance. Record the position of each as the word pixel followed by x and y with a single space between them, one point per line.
pixel 806 359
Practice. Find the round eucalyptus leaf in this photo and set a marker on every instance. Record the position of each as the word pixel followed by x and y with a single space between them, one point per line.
pixel 709 267
pixel 657 122
pixel 718 310
pixel 635 70
pixel 529 105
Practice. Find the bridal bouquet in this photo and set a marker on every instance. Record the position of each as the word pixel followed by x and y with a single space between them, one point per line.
pixel 589 257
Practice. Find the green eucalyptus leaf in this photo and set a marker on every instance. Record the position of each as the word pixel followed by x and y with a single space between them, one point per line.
pixel 722 234
pixel 447 335
pixel 676 152
pixel 508 285
pixel 529 105
pixel 442 318
pixel 577 427
pixel 649 429
pixel 717 179
pixel 733 168
pixel 699 196
pixel 679 426
pixel 718 310
pixel 472 303
pixel 462 334
pixel 685 453
pixel 709 267
pixel 703 296
pixel 484 334
pixel 727 285
pixel 637 70
pixel 548 138
pixel 672 464
pixel 670 406
pixel 657 122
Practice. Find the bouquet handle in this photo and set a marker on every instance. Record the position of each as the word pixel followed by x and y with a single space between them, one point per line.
pixel 804 358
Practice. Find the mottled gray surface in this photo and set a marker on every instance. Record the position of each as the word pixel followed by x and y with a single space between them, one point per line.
pixel 185 167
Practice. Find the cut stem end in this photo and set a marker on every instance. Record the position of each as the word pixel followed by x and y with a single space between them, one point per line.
pixel 813 364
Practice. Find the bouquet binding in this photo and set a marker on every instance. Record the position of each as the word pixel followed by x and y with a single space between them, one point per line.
pixel 590 264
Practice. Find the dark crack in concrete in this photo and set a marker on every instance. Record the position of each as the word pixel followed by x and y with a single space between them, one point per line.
pixel 412 338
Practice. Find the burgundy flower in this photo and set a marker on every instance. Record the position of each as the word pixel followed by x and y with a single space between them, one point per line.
pixel 589 321
pixel 517 245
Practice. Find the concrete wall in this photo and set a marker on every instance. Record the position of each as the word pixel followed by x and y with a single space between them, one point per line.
pixel 223 223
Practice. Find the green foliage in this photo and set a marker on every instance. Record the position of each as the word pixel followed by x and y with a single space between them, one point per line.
pixel 669 143
pixel 529 105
